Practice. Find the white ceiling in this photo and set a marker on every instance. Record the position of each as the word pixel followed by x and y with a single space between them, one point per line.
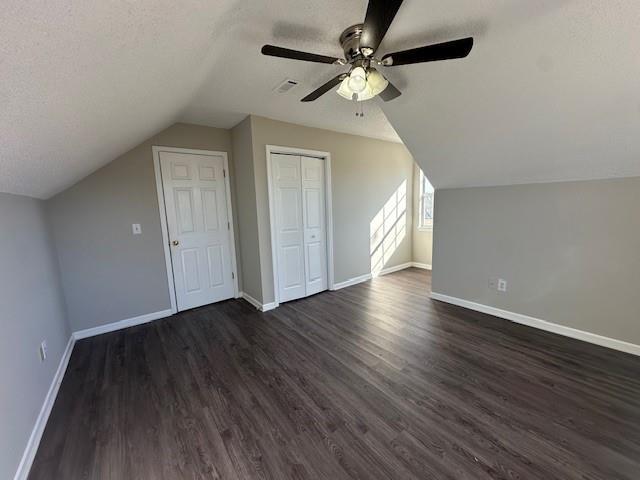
pixel 550 91
pixel 242 80
pixel 83 82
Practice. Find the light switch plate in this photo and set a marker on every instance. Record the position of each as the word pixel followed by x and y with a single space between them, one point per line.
pixel 137 229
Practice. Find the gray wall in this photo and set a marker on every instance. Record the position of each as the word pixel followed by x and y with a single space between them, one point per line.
pixel 365 173
pixel 108 274
pixel 246 217
pixel 422 239
pixel 569 251
pixel 31 310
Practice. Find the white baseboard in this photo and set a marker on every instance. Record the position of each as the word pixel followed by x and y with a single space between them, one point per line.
pixel 128 322
pixel 262 307
pixel 394 269
pixel 384 271
pixel 351 281
pixel 251 300
pixel 541 324
pixel 269 306
pixel 423 266
pixel 36 434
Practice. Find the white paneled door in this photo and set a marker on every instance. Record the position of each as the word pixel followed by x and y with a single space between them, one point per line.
pixel 314 219
pixel 300 225
pixel 198 222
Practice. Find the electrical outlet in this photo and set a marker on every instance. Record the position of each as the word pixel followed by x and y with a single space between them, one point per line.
pixel 136 228
pixel 43 351
pixel 502 285
pixel 492 283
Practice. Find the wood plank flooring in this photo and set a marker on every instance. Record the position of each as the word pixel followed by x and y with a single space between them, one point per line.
pixel 375 381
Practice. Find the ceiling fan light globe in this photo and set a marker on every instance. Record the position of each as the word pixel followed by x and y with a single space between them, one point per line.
pixel 367 94
pixel 376 82
pixel 358 80
pixel 344 91
pixel 357 84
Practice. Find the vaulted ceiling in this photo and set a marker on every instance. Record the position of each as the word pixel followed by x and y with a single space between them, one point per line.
pixel 550 91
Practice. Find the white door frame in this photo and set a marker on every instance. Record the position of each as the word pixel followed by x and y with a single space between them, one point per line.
pixel 326 156
pixel 163 215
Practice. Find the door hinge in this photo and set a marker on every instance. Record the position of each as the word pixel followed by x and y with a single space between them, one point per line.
pixel 224 173
pixel 228 225
pixel 233 275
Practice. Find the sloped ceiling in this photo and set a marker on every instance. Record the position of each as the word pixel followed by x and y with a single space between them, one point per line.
pixel 550 91
pixel 83 82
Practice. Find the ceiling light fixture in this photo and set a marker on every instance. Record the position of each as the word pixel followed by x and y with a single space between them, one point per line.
pixel 361 84
pixel 357 81
pixel 360 44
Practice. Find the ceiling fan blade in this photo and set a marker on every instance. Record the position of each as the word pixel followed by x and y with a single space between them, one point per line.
pixel 430 53
pixel 380 14
pixel 274 51
pixel 390 92
pixel 317 93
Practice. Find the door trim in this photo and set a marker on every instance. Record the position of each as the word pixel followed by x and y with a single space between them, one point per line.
pixel 326 156
pixel 162 208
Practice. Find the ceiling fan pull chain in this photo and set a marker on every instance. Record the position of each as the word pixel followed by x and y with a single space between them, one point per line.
pixel 356 104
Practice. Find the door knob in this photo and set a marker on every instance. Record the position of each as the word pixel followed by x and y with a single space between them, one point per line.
pixel 176 243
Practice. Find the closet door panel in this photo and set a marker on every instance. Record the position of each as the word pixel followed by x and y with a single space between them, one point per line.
pixel 289 226
pixel 315 235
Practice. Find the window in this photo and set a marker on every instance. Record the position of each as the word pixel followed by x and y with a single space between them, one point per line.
pixel 425 218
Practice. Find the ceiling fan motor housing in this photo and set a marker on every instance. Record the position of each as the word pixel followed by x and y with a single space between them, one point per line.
pixel 350 42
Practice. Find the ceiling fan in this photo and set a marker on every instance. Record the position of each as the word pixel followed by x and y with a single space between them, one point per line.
pixel 360 43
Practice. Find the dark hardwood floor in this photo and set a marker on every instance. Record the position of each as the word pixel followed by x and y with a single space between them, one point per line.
pixel 375 381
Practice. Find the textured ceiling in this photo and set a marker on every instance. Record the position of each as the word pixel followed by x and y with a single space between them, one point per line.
pixel 84 81
pixel 243 80
pixel 550 91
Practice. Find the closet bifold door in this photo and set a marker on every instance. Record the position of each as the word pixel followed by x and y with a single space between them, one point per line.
pixel 314 218
pixel 287 191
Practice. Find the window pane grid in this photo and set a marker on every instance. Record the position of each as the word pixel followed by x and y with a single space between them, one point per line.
pixel 425 219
